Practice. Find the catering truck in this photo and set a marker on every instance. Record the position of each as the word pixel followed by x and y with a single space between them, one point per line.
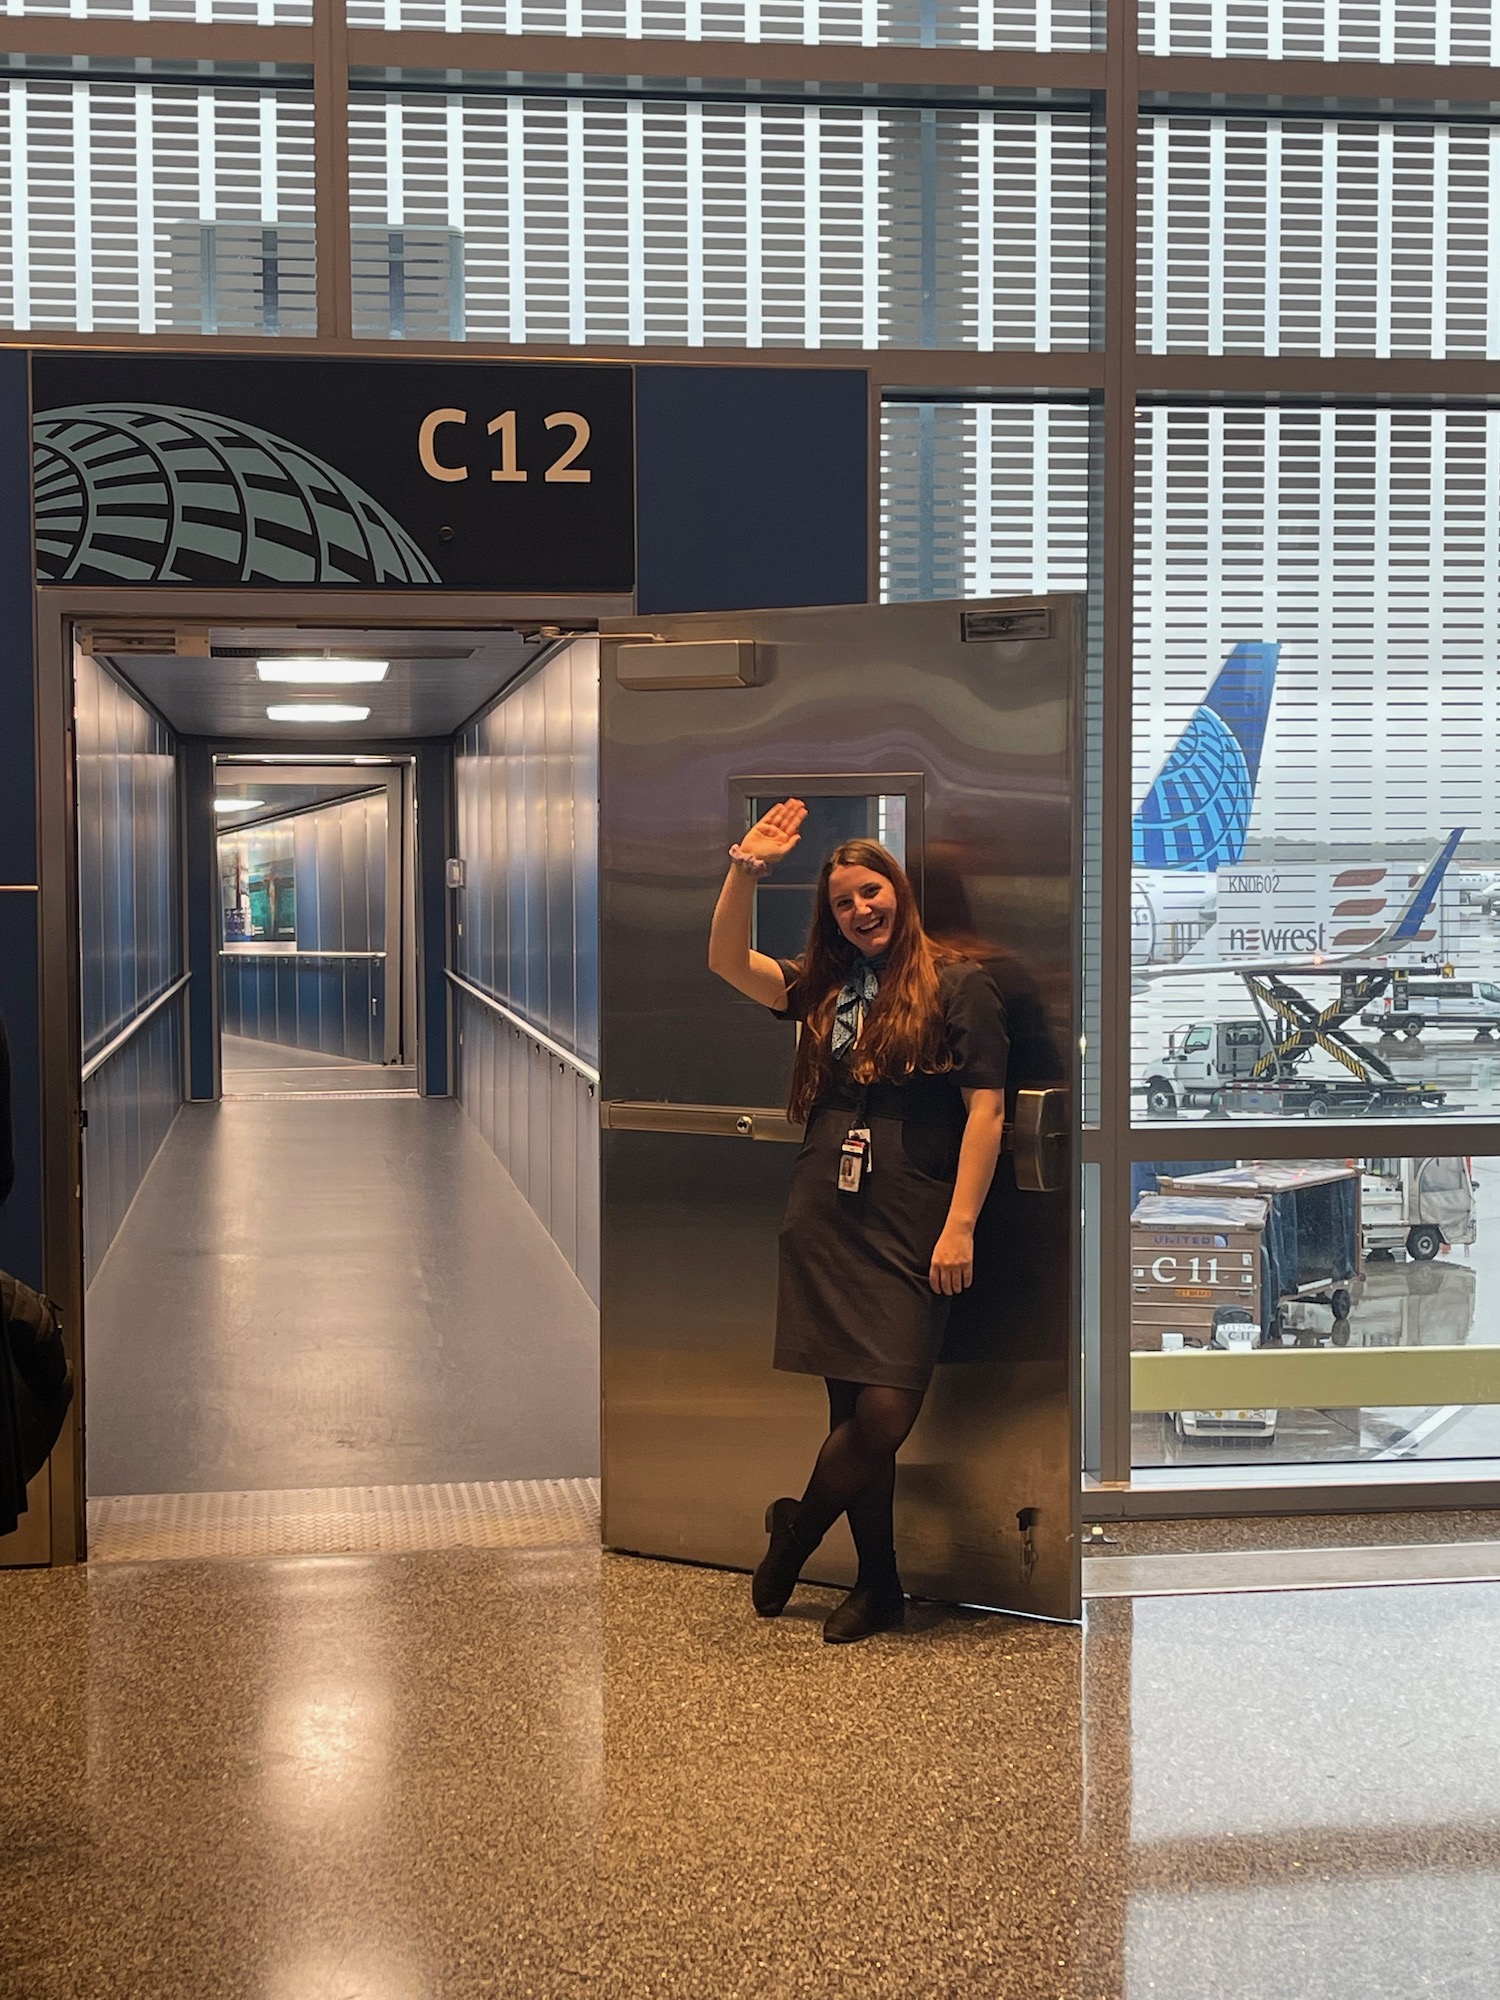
pixel 1211 1066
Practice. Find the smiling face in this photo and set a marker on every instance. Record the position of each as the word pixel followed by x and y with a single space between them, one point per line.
pixel 863 902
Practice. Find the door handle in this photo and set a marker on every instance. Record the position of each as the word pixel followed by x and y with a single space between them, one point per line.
pixel 726 1121
pixel 1042 1141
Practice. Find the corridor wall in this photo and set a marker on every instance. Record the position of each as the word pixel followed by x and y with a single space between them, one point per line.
pixel 130 941
pixel 525 933
pixel 324 987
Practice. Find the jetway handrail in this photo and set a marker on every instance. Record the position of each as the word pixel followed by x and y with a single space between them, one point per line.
pixel 525 1027
pixel 132 1028
pixel 297 951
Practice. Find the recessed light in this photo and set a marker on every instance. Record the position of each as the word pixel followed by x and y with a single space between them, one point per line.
pixel 236 805
pixel 316 711
pixel 323 673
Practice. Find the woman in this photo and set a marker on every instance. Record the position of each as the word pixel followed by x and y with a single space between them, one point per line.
pixel 900 1077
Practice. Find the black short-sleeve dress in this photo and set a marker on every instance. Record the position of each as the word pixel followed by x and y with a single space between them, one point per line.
pixel 853 1300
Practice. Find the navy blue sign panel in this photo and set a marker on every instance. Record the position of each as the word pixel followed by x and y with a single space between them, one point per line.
pixel 754 487
pixel 221 470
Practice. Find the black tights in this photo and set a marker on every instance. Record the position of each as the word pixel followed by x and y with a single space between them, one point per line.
pixel 856 1472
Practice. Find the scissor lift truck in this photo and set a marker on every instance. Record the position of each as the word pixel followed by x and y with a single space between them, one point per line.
pixel 1258 1063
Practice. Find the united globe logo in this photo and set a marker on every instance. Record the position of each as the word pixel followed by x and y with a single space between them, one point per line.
pixel 146 493
pixel 1197 813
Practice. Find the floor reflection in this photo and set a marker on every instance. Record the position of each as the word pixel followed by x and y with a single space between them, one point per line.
pixel 531 1774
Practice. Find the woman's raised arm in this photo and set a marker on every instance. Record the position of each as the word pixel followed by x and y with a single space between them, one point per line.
pixel 730 954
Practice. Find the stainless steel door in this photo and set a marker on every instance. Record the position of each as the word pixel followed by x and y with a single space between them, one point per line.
pixel 952 729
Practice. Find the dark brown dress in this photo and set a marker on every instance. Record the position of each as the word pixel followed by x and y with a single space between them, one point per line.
pixel 853 1300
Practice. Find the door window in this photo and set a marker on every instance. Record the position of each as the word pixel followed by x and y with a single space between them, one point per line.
pixel 784 900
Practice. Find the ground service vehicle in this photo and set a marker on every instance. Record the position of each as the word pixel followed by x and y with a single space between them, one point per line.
pixel 1416 1206
pixel 1410 1005
pixel 1235 1066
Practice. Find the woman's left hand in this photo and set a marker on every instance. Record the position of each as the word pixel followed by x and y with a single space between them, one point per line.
pixel 952 1261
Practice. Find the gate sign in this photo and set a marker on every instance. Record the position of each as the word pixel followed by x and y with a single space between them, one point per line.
pixel 286 470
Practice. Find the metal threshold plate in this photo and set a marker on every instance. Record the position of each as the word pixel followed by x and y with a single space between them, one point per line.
pixel 1227 1572
pixel 346 1520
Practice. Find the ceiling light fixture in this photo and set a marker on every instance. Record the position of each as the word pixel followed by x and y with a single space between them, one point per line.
pixel 316 711
pixel 236 805
pixel 323 673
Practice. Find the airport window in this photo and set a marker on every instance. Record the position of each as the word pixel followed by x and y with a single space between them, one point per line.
pixel 241 277
pixel 1429 31
pixel 156 208
pixel 241 13
pixel 695 224
pixel 983 499
pixel 972 24
pixel 1315 782
pixel 1352 1302
pixel 1310 929
pixel 1303 236
pixel 409 283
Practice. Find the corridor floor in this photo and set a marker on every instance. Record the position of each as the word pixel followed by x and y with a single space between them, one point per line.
pixel 257 1069
pixel 545 1775
pixel 312 1293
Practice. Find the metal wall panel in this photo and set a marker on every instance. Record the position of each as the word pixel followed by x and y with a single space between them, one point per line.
pixel 130 1104
pixel 525 929
pixel 334 1006
pixel 540 1118
pixel 130 944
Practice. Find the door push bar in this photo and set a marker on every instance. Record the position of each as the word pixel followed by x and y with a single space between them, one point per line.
pixel 1038 1136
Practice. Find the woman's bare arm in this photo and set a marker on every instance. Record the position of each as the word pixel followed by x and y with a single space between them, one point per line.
pixel 730 953
pixel 953 1258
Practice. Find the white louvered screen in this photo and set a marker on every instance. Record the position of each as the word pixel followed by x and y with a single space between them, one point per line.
pixel 1366 544
pixel 1270 236
pixel 248 13
pixel 991 500
pixel 153 207
pixel 971 24
pixel 981 499
pixel 701 223
pixel 1423 31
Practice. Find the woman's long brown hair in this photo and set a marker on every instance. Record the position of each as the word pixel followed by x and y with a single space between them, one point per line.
pixel 903 1031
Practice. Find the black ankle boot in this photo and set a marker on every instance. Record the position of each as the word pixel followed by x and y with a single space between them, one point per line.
pixel 869 1608
pixel 776 1579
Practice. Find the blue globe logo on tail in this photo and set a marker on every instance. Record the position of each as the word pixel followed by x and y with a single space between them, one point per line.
pixel 1196 815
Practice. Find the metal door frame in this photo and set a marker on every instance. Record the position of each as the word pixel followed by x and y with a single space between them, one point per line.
pixel 56 1529
pixel 394 776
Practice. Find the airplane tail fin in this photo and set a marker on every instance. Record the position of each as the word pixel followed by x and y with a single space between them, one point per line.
pixel 1196 814
pixel 1404 926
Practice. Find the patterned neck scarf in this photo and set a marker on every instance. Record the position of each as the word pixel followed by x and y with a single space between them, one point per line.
pixel 854 1003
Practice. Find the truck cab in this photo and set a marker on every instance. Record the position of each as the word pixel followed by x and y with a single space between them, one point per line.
pixel 1200 1059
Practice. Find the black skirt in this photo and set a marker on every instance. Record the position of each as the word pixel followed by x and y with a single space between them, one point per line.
pixel 854 1302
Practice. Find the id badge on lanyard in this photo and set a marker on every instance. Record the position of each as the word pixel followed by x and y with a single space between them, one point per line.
pixel 854 1159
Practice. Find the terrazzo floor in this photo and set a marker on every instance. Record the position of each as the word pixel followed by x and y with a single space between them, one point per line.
pixel 541 1772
